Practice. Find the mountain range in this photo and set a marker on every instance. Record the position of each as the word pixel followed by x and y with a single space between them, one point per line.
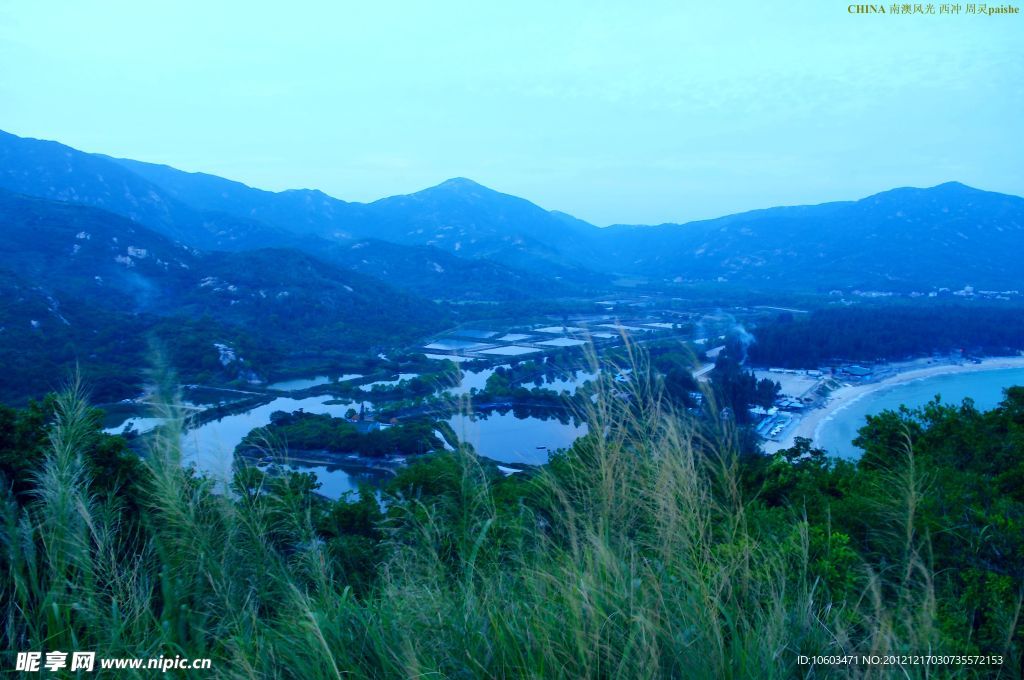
pixel 434 241
pixel 950 235
pixel 90 241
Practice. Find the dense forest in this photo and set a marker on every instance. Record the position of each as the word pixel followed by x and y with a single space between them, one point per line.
pixel 302 431
pixel 737 388
pixel 644 552
pixel 888 331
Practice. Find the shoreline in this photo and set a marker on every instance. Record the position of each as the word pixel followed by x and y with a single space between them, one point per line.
pixel 810 423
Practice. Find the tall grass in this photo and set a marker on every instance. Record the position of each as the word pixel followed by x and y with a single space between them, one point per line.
pixel 636 557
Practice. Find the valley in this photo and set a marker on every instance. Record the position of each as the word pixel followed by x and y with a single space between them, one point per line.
pixel 486 341
pixel 463 306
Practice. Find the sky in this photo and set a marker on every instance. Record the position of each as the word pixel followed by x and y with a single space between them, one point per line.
pixel 619 112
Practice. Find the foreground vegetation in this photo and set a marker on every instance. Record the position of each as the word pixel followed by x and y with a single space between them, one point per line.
pixel 652 551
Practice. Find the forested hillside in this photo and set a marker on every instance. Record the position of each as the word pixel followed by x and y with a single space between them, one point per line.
pixel 211 213
pixel 85 286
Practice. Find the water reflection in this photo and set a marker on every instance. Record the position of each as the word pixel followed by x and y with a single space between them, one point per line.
pixel 559 381
pixel 211 446
pixel 565 382
pixel 337 480
pixel 473 380
pixel 507 437
pixel 306 383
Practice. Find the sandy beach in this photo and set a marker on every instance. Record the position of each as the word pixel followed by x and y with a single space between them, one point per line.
pixel 897 373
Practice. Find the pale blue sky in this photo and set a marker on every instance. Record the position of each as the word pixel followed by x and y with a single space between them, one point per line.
pixel 614 112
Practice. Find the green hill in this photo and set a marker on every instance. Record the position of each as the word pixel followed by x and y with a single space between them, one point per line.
pixel 78 279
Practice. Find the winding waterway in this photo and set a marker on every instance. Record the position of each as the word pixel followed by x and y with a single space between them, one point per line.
pixel 503 437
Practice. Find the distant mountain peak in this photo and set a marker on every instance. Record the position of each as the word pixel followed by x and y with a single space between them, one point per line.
pixel 946 191
pixel 455 187
pixel 960 188
pixel 460 183
pixel 459 186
